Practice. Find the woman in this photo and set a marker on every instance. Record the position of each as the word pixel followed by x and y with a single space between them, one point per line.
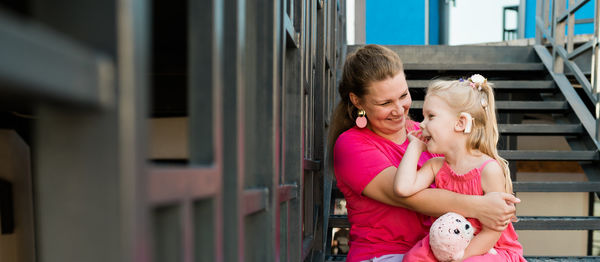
pixel 368 138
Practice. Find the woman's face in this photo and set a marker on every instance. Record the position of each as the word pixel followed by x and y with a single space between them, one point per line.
pixel 386 104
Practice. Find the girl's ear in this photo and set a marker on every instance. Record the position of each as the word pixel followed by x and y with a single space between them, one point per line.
pixel 354 99
pixel 464 123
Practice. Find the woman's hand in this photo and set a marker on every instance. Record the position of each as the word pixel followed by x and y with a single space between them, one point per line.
pixel 497 209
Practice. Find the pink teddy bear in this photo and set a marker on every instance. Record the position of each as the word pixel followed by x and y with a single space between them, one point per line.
pixel 450 235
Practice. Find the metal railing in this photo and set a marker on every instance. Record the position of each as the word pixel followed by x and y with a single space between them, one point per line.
pixel 555 24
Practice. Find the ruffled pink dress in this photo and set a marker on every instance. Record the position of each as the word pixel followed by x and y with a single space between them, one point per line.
pixel 508 248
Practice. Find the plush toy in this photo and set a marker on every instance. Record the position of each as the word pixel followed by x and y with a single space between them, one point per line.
pixel 449 235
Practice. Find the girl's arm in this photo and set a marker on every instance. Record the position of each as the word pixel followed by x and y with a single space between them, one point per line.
pixel 492 209
pixel 408 179
pixel 492 180
pixel 482 242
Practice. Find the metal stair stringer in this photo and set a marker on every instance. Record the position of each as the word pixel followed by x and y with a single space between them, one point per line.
pixel 586 118
pixel 591 168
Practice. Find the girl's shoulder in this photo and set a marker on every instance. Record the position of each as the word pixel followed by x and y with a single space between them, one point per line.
pixel 436 163
pixel 488 163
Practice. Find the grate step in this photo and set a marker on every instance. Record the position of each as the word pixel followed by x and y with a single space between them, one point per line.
pixel 540 129
pixel 518 186
pixel 556 186
pixel 479 67
pixel 548 155
pixel 531 106
pixel 525 222
pixel 512 85
pixel 334 258
pixel 338 221
pixel 559 259
pixel 557 223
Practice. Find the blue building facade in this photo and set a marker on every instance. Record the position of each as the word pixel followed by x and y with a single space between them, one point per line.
pixel 587 11
pixel 393 22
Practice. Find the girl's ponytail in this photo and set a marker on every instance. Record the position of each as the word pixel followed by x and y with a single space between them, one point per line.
pixel 491 135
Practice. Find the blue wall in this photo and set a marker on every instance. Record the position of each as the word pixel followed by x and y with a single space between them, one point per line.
pixel 393 22
pixel 434 22
pixel 586 11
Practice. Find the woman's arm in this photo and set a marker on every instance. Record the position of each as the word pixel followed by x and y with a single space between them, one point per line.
pixel 408 179
pixel 492 209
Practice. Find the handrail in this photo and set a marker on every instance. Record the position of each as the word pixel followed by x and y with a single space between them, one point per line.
pixel 572 10
pixel 551 27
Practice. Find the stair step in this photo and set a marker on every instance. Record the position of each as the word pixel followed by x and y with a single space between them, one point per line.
pixel 549 155
pixel 540 129
pixel 558 259
pixel 518 105
pixel 479 67
pixel 334 258
pixel 557 223
pixel 556 186
pixel 338 221
pixel 523 85
pixel 518 186
pixel 336 193
pixel 462 54
pixel 525 222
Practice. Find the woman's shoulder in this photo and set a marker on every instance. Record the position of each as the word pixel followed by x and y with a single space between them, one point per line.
pixel 352 134
pixel 354 139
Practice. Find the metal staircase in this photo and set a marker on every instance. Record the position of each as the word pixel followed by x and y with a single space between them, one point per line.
pixel 526 89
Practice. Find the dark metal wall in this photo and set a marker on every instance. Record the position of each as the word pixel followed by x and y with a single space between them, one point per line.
pixel 255 82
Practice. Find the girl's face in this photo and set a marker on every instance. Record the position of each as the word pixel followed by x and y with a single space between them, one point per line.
pixel 386 104
pixel 438 124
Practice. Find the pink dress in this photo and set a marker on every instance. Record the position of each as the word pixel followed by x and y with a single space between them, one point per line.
pixel 376 229
pixel 508 248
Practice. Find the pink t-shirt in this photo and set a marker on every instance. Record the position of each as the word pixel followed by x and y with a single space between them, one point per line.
pixel 376 229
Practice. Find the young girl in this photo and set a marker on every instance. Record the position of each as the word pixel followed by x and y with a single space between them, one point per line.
pixel 460 123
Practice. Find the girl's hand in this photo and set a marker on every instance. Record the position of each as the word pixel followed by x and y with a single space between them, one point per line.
pixel 497 210
pixel 416 136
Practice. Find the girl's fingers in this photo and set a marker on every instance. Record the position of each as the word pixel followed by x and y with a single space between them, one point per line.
pixel 416 135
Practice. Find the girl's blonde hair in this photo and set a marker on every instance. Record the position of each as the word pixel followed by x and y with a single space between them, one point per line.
pixel 477 100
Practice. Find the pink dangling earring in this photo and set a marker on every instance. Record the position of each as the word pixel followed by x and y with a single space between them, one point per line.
pixel 361 120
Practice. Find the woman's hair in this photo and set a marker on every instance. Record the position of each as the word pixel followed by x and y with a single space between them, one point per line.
pixel 368 64
pixel 477 100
